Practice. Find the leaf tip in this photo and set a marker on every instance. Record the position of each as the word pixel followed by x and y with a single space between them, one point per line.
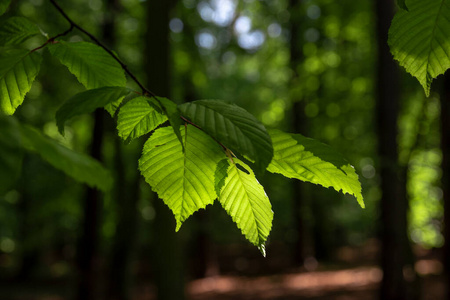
pixel 262 249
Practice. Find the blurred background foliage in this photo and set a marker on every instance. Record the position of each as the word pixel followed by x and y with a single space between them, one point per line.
pixel 237 51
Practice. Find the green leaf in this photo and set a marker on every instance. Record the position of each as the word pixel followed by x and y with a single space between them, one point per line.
pixel 233 126
pixel 91 64
pixel 170 109
pixel 81 167
pixel 138 117
pixel 4 6
pixel 402 4
pixel 183 180
pixel 15 30
pixel 11 153
pixel 246 202
pixel 89 101
pixel 220 175
pixel 419 39
pixel 18 69
pixel 309 160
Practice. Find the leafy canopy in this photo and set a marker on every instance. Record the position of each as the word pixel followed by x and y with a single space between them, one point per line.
pixel 196 159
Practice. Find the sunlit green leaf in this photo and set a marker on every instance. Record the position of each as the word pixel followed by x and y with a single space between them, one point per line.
pixel 296 156
pixel 81 167
pixel 11 153
pixel 91 64
pixel 138 117
pixel 87 102
pixel 244 199
pixel 233 126
pixel 18 69
pixel 4 6
pixel 419 39
pixel 183 180
pixel 15 30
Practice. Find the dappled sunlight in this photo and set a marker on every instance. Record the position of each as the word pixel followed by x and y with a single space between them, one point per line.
pixel 303 284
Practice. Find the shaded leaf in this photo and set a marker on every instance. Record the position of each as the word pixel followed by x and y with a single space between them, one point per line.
pixel 419 39
pixel 296 156
pixel 233 126
pixel 4 6
pixel 91 64
pixel 15 30
pixel 244 199
pixel 220 175
pixel 18 69
pixel 87 102
pixel 173 114
pixel 81 167
pixel 183 180
pixel 402 4
pixel 11 153
pixel 138 117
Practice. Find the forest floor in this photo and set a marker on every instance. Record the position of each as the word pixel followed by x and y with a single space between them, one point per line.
pixel 345 284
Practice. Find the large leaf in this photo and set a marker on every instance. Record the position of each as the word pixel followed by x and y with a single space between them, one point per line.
pixel 138 117
pixel 11 153
pixel 309 160
pixel 246 202
pixel 91 64
pixel 4 6
pixel 419 39
pixel 233 126
pixel 184 180
pixel 89 101
pixel 18 69
pixel 15 30
pixel 81 167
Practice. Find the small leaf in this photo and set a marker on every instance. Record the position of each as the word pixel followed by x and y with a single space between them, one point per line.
pixel 15 30
pixel 138 117
pixel 309 160
pixel 233 126
pixel 173 114
pixel 4 6
pixel 244 199
pixel 81 167
pixel 11 153
pixel 183 180
pixel 419 39
pixel 87 102
pixel 91 64
pixel 18 69
pixel 402 4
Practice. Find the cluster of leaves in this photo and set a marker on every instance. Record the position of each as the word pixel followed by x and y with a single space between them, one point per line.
pixel 419 39
pixel 210 149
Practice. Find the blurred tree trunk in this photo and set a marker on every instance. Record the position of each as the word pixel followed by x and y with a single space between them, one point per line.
pixel 394 206
pixel 167 256
pixel 126 194
pixel 89 239
pixel 445 148
pixel 298 121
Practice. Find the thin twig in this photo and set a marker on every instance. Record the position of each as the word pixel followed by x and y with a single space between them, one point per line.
pixel 145 91
pixel 52 39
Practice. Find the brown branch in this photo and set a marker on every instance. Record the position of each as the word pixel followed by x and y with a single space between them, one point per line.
pixel 145 91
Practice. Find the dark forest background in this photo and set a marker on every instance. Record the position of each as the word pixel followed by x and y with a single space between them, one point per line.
pixel 321 68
